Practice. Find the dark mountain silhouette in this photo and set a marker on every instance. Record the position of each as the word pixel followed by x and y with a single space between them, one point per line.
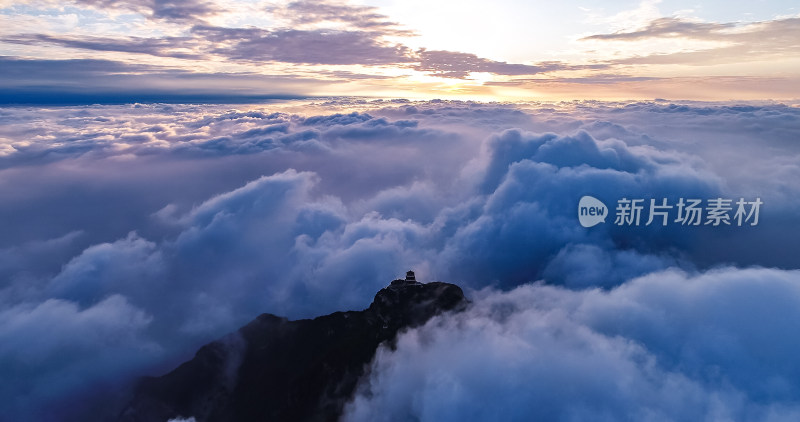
pixel 274 369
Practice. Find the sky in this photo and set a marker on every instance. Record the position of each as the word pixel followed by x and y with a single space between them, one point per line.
pixel 115 50
pixel 171 170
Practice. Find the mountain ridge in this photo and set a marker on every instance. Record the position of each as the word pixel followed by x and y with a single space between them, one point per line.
pixel 281 370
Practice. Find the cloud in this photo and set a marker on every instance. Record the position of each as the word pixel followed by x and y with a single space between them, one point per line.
pixel 245 45
pixel 180 11
pixel 459 65
pixel 105 269
pixel 159 47
pixel 667 346
pixel 320 46
pixel 52 350
pixel 363 41
pixel 21 259
pixel 527 219
pixel 595 79
pixel 91 81
pixel 586 265
pixel 668 27
pixel 337 41
pixel 306 12
pixel 223 212
pixel 735 42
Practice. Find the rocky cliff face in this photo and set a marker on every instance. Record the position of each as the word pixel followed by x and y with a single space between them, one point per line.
pixel 273 369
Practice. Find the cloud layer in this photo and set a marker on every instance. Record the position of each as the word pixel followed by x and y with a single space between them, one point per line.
pixel 667 346
pixel 170 225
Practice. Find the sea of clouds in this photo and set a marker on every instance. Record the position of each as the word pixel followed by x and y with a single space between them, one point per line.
pixel 131 235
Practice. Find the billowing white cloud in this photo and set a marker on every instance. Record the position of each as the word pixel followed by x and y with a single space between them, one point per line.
pixel 51 351
pixel 667 346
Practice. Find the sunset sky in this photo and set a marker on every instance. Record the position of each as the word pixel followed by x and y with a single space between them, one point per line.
pixel 503 50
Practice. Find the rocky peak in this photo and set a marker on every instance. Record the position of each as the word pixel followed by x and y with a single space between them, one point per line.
pixel 405 304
